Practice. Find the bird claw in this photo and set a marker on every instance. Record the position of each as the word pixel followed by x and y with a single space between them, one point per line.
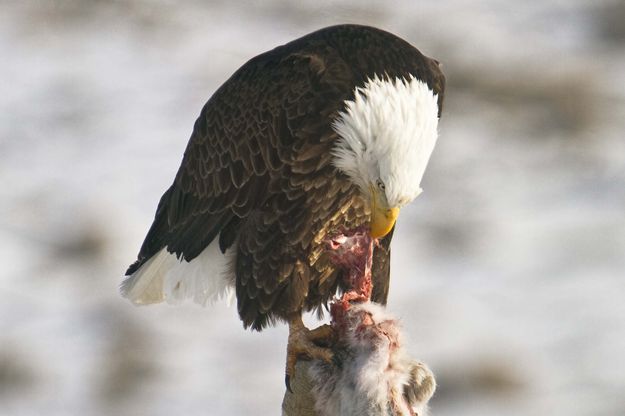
pixel 304 344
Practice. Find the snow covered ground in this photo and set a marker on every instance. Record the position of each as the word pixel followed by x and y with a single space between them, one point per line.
pixel 507 272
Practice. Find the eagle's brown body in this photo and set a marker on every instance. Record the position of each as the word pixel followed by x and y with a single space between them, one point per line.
pixel 257 174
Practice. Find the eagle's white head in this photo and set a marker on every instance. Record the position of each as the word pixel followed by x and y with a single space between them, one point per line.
pixel 387 134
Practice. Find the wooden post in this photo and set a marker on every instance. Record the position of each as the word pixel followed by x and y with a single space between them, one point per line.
pixel 301 402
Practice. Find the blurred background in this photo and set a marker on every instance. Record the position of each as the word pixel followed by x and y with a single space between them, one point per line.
pixel 507 271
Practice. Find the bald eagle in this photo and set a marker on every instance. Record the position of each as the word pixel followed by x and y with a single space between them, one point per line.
pixel 327 133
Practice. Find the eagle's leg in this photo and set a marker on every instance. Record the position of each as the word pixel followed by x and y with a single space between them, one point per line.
pixel 304 343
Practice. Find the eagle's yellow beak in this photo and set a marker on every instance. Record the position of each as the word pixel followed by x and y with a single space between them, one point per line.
pixel 382 218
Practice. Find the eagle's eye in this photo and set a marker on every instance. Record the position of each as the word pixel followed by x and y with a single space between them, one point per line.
pixel 380 185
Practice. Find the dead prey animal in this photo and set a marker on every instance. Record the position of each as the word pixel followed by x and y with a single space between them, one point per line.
pixel 353 251
pixel 370 372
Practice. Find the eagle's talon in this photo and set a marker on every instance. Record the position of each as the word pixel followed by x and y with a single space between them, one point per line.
pixel 323 335
pixel 305 344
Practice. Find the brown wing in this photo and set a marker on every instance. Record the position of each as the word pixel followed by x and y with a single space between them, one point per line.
pixel 257 171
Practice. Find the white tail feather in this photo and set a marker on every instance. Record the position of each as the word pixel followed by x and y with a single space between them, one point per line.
pixel 165 277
